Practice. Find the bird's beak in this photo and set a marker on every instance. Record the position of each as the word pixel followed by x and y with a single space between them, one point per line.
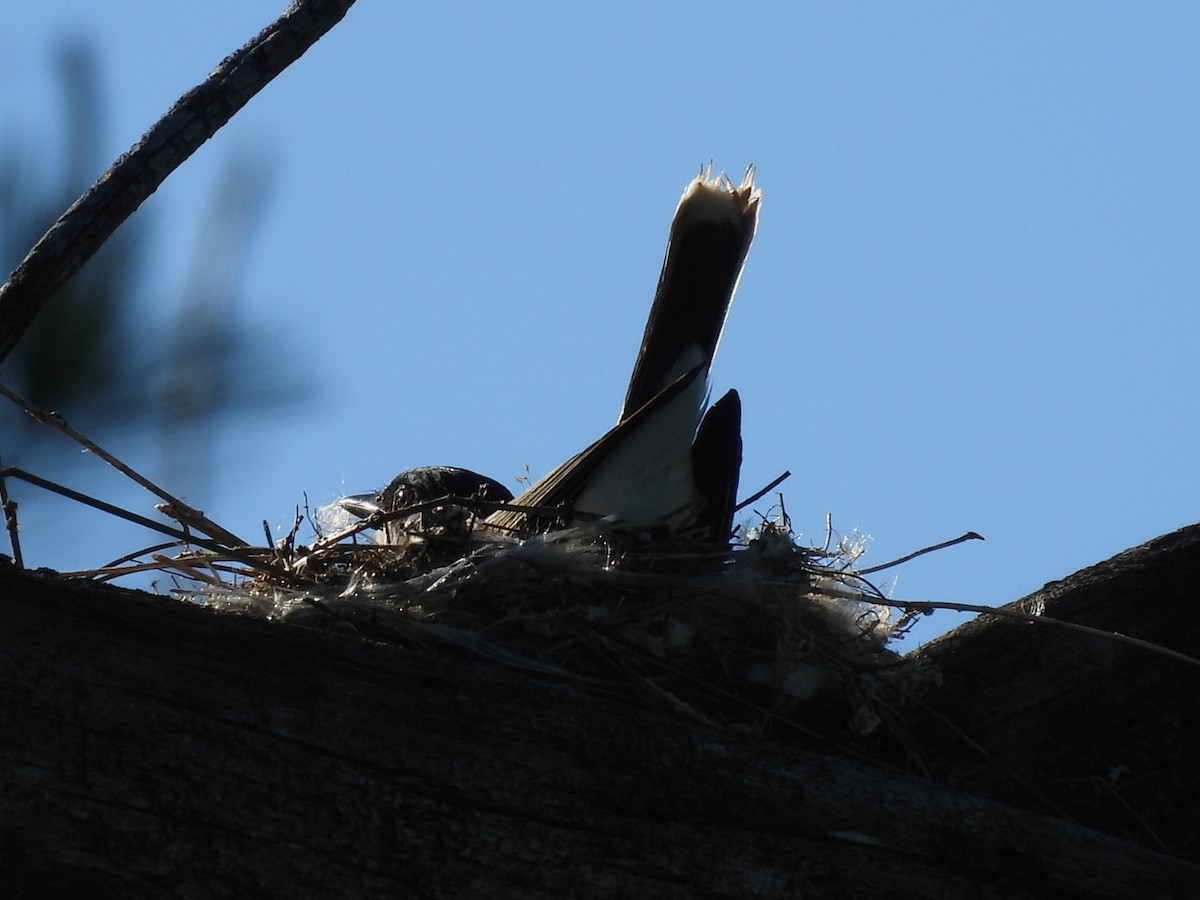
pixel 362 505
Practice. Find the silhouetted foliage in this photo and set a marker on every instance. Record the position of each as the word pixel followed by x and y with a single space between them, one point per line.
pixel 81 349
pixel 95 353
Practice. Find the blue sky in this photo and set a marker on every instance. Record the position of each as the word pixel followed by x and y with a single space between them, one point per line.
pixel 972 302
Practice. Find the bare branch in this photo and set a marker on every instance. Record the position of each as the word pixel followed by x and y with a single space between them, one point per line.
pixel 966 536
pixel 194 118
pixel 762 493
pixel 171 506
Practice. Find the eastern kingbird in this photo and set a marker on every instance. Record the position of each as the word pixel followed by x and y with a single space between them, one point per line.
pixel 421 485
pixel 668 461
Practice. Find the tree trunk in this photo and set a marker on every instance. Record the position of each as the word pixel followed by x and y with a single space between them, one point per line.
pixel 155 748
pixel 1082 727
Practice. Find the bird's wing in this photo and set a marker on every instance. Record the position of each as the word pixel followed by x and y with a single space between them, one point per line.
pixel 611 476
pixel 646 469
pixel 716 466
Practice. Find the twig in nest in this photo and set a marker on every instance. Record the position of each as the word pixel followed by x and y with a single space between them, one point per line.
pixel 246 555
pixel 146 551
pixel 172 506
pixel 967 536
pixel 9 508
pixel 762 493
pixel 286 547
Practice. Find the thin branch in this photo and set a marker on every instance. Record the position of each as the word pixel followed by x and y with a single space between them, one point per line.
pixel 245 555
pixel 966 536
pixel 9 510
pixel 758 494
pixel 194 118
pixel 157 548
pixel 171 506
pixel 1038 619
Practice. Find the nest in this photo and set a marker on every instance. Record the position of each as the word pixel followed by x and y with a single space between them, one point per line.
pixel 764 635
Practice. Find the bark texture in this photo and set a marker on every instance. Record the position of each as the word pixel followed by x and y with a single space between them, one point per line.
pixel 1086 729
pixel 151 748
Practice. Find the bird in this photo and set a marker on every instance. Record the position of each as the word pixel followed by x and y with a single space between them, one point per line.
pixel 670 461
pixel 418 487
